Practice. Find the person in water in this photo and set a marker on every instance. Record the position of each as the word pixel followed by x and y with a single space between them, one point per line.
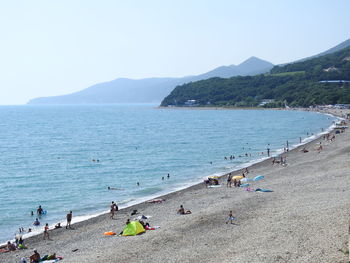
pixel 39 211
pixel 182 211
pixel 69 219
pixel 35 258
pixel 36 222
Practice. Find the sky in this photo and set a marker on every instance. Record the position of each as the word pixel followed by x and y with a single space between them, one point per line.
pixel 50 48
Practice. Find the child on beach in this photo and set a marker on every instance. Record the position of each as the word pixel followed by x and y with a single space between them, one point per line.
pixel 230 218
pixel 46 231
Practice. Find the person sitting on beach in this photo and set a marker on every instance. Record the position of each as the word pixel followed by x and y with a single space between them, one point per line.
pixel 58 225
pixel 230 218
pixel 10 246
pixel 182 211
pixel 35 258
pixel 36 222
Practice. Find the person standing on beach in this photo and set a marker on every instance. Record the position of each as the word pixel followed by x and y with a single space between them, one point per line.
pixel 112 210
pixel 230 218
pixel 229 180
pixel 268 152
pixel 69 219
pixel 46 232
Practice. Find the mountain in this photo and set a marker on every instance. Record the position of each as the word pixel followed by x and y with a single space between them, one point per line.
pixel 317 81
pixel 123 90
pixel 338 47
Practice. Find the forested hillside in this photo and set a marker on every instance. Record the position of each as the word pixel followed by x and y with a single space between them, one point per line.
pixel 296 84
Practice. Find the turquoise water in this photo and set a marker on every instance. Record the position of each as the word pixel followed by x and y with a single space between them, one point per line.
pixel 47 152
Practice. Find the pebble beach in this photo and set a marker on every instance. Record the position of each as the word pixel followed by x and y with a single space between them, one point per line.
pixel 304 219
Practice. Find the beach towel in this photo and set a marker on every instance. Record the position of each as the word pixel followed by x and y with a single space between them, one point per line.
pixel 244 180
pixel 263 190
pixel 51 260
pixel 214 186
pixel 258 178
pixel 244 185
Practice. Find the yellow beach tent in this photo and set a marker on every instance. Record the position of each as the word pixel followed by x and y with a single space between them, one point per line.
pixel 133 228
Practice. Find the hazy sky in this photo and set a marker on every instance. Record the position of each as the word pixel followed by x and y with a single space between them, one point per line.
pixel 58 47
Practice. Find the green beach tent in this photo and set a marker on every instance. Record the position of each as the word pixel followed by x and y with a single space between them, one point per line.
pixel 133 228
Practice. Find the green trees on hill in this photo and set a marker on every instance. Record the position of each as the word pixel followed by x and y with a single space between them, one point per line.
pixel 297 84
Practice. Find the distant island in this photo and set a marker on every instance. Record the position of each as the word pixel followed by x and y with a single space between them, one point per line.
pixel 123 90
pixel 319 80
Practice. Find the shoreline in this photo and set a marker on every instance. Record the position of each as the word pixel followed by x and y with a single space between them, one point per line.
pixel 170 198
pixel 144 200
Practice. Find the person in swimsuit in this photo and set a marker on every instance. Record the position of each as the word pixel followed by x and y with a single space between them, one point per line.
pixel 182 211
pixel 112 210
pixel 35 258
pixel 69 219
pixel 46 231
pixel 39 211
pixel 230 218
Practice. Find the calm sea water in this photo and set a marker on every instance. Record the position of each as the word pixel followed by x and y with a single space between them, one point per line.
pixel 47 152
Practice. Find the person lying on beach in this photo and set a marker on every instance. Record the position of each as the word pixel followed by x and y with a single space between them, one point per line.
pixel 230 218
pixel 35 258
pixel 10 246
pixel 182 211
pixel 304 150
pixel 156 201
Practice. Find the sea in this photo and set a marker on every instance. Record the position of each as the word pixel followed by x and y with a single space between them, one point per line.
pixel 65 157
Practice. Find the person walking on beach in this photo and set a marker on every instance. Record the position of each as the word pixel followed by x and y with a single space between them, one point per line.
pixel 229 180
pixel 69 219
pixel 112 210
pixel 46 232
pixel 230 218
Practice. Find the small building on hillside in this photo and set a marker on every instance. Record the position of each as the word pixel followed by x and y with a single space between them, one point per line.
pixel 191 103
pixel 330 69
pixel 266 101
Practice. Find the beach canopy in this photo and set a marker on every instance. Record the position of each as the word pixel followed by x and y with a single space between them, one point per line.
pixel 237 177
pixel 133 228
